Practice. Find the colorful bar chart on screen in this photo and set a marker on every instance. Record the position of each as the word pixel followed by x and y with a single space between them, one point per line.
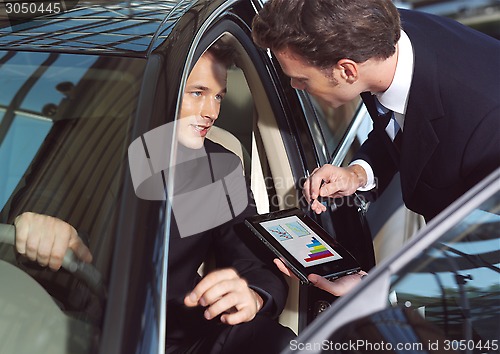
pixel 306 246
pixel 317 251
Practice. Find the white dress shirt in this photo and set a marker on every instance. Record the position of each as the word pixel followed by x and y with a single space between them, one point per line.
pixel 395 98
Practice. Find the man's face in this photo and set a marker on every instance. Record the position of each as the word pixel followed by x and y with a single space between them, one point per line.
pixel 203 94
pixel 329 86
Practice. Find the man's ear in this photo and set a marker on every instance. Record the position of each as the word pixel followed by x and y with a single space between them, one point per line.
pixel 348 70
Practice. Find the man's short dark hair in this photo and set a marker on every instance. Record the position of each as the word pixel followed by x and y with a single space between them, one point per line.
pixel 223 52
pixel 325 31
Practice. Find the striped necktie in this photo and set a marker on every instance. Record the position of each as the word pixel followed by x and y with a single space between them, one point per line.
pixel 391 125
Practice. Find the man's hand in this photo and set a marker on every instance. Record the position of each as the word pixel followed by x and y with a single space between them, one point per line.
pixel 334 182
pixel 338 287
pixel 224 292
pixel 46 239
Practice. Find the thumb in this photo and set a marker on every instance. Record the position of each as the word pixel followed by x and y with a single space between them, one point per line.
pixel 79 248
pixel 281 266
pixel 328 189
pixel 320 282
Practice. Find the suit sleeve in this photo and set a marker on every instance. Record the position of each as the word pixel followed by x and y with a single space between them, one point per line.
pixel 235 247
pixel 374 152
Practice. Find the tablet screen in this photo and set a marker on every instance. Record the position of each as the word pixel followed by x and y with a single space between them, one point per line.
pixel 302 244
pixel 300 241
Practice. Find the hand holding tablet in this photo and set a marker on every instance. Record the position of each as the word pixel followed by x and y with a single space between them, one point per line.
pixel 302 245
pixel 338 287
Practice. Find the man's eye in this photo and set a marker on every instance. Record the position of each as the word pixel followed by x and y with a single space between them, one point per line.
pixel 219 98
pixel 196 93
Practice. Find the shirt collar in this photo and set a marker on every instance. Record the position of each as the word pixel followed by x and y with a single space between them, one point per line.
pixel 395 97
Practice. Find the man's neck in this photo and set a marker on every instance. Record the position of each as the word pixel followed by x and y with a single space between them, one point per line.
pixel 378 74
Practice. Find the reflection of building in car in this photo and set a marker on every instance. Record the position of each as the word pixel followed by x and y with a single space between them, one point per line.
pixel 441 292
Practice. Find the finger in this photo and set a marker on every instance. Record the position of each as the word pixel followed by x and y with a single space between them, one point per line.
pixel 244 311
pixel 79 248
pixel 227 303
pixel 315 181
pixel 45 245
pixel 193 298
pixel 306 190
pixel 59 248
pixel 332 190
pixel 317 207
pixel 22 232
pixel 283 269
pixel 307 186
pixel 337 287
pixel 32 243
pixel 322 283
pixel 240 316
pixel 221 296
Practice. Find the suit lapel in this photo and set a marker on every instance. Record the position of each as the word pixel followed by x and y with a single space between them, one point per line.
pixel 420 139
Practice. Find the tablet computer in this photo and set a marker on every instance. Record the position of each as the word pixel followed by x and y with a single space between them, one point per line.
pixel 302 244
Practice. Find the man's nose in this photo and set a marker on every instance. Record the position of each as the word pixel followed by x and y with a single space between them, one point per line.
pixel 210 109
pixel 296 84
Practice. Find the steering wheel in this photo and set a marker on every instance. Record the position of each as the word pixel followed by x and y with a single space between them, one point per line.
pixel 81 270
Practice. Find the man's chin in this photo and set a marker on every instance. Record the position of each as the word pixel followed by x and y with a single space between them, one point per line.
pixel 194 143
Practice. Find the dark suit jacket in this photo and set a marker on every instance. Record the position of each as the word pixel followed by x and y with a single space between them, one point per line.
pixel 228 247
pixel 451 134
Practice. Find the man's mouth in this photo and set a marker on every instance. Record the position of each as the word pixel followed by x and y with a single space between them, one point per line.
pixel 201 129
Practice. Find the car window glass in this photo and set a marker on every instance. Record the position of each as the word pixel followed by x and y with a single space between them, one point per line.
pixel 17 151
pixel 334 122
pixel 445 300
pixel 65 125
pixel 38 98
pixel 393 330
pixel 455 283
pixel 251 131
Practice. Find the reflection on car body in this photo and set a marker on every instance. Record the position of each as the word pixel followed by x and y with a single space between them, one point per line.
pixel 441 292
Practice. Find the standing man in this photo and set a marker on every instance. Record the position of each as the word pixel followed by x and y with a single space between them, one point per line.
pixel 431 86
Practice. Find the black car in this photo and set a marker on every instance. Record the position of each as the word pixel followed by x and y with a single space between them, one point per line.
pixel 76 89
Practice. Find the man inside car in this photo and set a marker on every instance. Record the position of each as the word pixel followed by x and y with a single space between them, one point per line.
pixel 231 309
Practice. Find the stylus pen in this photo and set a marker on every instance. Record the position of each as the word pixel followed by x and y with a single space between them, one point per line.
pixel 359 201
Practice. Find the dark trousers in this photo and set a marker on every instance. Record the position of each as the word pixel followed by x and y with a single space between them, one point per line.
pixel 261 335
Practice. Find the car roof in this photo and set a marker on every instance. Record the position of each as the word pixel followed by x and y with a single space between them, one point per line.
pixel 112 27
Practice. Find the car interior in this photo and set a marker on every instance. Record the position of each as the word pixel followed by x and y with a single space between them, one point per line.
pixel 247 117
pixel 64 167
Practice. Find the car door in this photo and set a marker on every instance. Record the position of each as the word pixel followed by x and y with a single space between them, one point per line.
pixel 268 123
pixel 439 293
